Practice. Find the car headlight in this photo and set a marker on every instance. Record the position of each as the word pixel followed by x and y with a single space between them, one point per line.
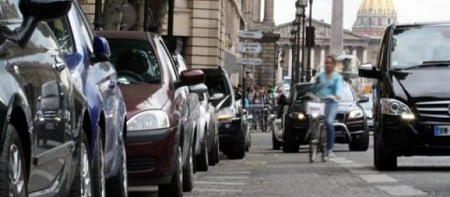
pixel 356 114
pixel 226 113
pixel 300 116
pixel 148 120
pixel 396 108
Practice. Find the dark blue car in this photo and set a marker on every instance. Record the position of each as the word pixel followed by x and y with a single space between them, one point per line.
pixel 87 57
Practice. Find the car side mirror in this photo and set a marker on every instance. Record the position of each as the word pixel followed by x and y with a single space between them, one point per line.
pixel 102 51
pixel 35 11
pixel 216 97
pixel 369 71
pixel 190 77
pixel 199 89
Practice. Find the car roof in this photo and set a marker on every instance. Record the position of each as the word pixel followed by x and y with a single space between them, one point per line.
pixel 127 35
pixel 423 24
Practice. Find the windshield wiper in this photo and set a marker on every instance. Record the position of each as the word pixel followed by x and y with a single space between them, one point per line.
pixel 431 64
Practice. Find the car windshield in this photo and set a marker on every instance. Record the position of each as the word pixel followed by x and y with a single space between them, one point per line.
pixel 218 84
pixel 415 46
pixel 9 10
pixel 347 94
pixel 135 61
pixel 367 105
pixel 300 93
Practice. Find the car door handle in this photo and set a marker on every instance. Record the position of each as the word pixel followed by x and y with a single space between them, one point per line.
pixel 59 66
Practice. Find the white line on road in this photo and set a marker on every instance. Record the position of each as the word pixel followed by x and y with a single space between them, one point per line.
pixel 402 190
pixel 226 177
pixel 237 172
pixel 218 183
pixel 378 178
pixel 217 190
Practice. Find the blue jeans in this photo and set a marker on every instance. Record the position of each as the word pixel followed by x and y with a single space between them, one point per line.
pixel 330 113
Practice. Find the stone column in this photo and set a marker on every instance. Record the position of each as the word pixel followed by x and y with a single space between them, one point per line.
pixel 354 52
pixel 322 55
pixel 365 56
pixel 257 11
pixel 337 27
pixel 268 11
pixel 312 58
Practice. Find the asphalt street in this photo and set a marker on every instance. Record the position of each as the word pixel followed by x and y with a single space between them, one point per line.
pixel 265 172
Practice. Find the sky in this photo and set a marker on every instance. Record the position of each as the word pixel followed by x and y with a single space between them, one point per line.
pixel 408 10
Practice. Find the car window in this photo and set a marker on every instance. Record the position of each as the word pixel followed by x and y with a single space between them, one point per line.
pixel 168 60
pixel 194 102
pixel 135 60
pixel 201 97
pixel 88 37
pixel 414 46
pixel 347 94
pixel 181 64
pixel 61 29
pixel 299 93
pixel 9 10
pixel 218 83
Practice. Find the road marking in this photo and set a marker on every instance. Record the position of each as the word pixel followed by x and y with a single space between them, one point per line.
pixel 378 178
pixel 143 189
pixel 352 165
pixel 238 172
pixel 226 177
pixel 218 183
pixel 217 190
pixel 402 190
pixel 343 161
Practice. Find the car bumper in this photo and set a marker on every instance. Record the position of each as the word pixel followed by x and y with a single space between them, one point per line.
pixel 296 131
pixel 413 138
pixel 151 156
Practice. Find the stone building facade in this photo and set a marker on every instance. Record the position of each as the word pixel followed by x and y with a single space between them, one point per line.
pixel 374 16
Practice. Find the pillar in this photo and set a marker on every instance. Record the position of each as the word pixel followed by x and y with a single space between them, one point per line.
pixel 312 58
pixel 365 56
pixel 257 10
pixel 354 52
pixel 322 56
pixel 337 27
pixel 268 11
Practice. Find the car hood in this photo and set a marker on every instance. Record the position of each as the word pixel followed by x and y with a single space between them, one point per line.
pixel 343 107
pixel 144 96
pixel 369 113
pixel 422 83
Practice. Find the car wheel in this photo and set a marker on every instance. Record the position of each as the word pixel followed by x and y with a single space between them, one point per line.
pixel 118 185
pixel 175 187
pixel 81 186
pixel 188 173
pixel 382 159
pixel 214 153
pixel 239 148
pixel 13 181
pixel 98 170
pixel 289 145
pixel 202 159
pixel 361 143
pixel 276 145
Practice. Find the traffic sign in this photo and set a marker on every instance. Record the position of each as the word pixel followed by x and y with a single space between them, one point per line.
pixel 250 61
pixel 251 34
pixel 250 47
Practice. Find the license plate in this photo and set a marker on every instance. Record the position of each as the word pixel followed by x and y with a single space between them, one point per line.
pixel 315 108
pixel 441 130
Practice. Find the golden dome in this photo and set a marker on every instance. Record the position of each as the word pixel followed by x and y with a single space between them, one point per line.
pixel 377 7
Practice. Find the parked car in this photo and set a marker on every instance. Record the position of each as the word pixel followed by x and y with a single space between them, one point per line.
pixel 46 149
pixel 87 57
pixel 412 96
pixel 160 130
pixel 350 127
pixel 234 136
pixel 368 109
pixel 206 138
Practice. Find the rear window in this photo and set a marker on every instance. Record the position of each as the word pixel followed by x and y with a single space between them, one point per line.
pixel 135 61
pixel 299 94
pixel 218 83
pixel 9 10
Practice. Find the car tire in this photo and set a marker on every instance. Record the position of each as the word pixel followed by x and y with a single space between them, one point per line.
pixel 98 170
pixel 202 160
pixel 212 154
pixel 276 145
pixel 12 148
pixel 289 145
pixel 175 187
pixel 383 160
pixel 81 185
pixel 118 185
pixel 249 143
pixel 361 143
pixel 239 148
pixel 188 173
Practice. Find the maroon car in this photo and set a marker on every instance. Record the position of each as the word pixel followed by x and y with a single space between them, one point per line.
pixel 159 137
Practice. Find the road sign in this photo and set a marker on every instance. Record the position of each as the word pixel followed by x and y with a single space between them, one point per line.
pixel 250 61
pixel 250 48
pixel 251 34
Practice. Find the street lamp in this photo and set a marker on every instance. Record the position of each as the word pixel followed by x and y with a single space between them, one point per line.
pixel 300 6
pixel 294 53
pixel 308 70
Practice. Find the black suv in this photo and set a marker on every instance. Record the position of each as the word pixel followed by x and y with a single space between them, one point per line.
pixel 45 144
pixel 350 126
pixel 234 137
pixel 412 95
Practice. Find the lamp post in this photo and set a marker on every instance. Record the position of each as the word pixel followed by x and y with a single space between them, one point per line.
pixel 294 53
pixel 308 70
pixel 300 13
pixel 98 20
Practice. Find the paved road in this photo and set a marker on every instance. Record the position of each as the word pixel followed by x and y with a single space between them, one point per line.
pixel 265 172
